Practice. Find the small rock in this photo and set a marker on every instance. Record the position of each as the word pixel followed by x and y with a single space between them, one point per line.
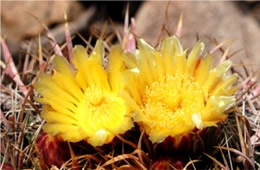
pixel 220 20
pixel 19 18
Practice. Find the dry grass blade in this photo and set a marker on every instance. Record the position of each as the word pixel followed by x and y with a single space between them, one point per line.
pixel 239 153
pixel 245 91
pixel 224 158
pixel 4 120
pixel 127 141
pixel 73 157
pixel 41 63
pixel 191 162
pixel 242 143
pixel 229 156
pixel 26 61
pixel 88 156
pixel 127 167
pixel 251 105
pixel 123 157
pixel 216 161
pixel 139 148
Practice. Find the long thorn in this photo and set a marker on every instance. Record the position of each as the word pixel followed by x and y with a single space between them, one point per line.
pixel 68 37
pixel 11 68
pixel 179 27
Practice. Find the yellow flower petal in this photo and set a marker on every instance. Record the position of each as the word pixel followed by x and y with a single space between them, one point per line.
pixel 176 93
pixel 171 47
pixel 215 76
pixel 180 63
pixel 79 60
pixel 80 56
pixel 201 74
pixel 115 67
pixel 98 52
pixel 194 57
pixel 145 60
pixel 84 103
pixel 60 64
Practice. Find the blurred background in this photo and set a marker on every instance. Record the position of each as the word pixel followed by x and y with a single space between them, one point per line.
pixel 22 23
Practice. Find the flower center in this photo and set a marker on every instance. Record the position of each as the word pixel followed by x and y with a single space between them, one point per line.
pixel 171 102
pixel 101 109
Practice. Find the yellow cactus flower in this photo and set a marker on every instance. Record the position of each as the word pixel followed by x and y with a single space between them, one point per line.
pixel 176 93
pixel 82 102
